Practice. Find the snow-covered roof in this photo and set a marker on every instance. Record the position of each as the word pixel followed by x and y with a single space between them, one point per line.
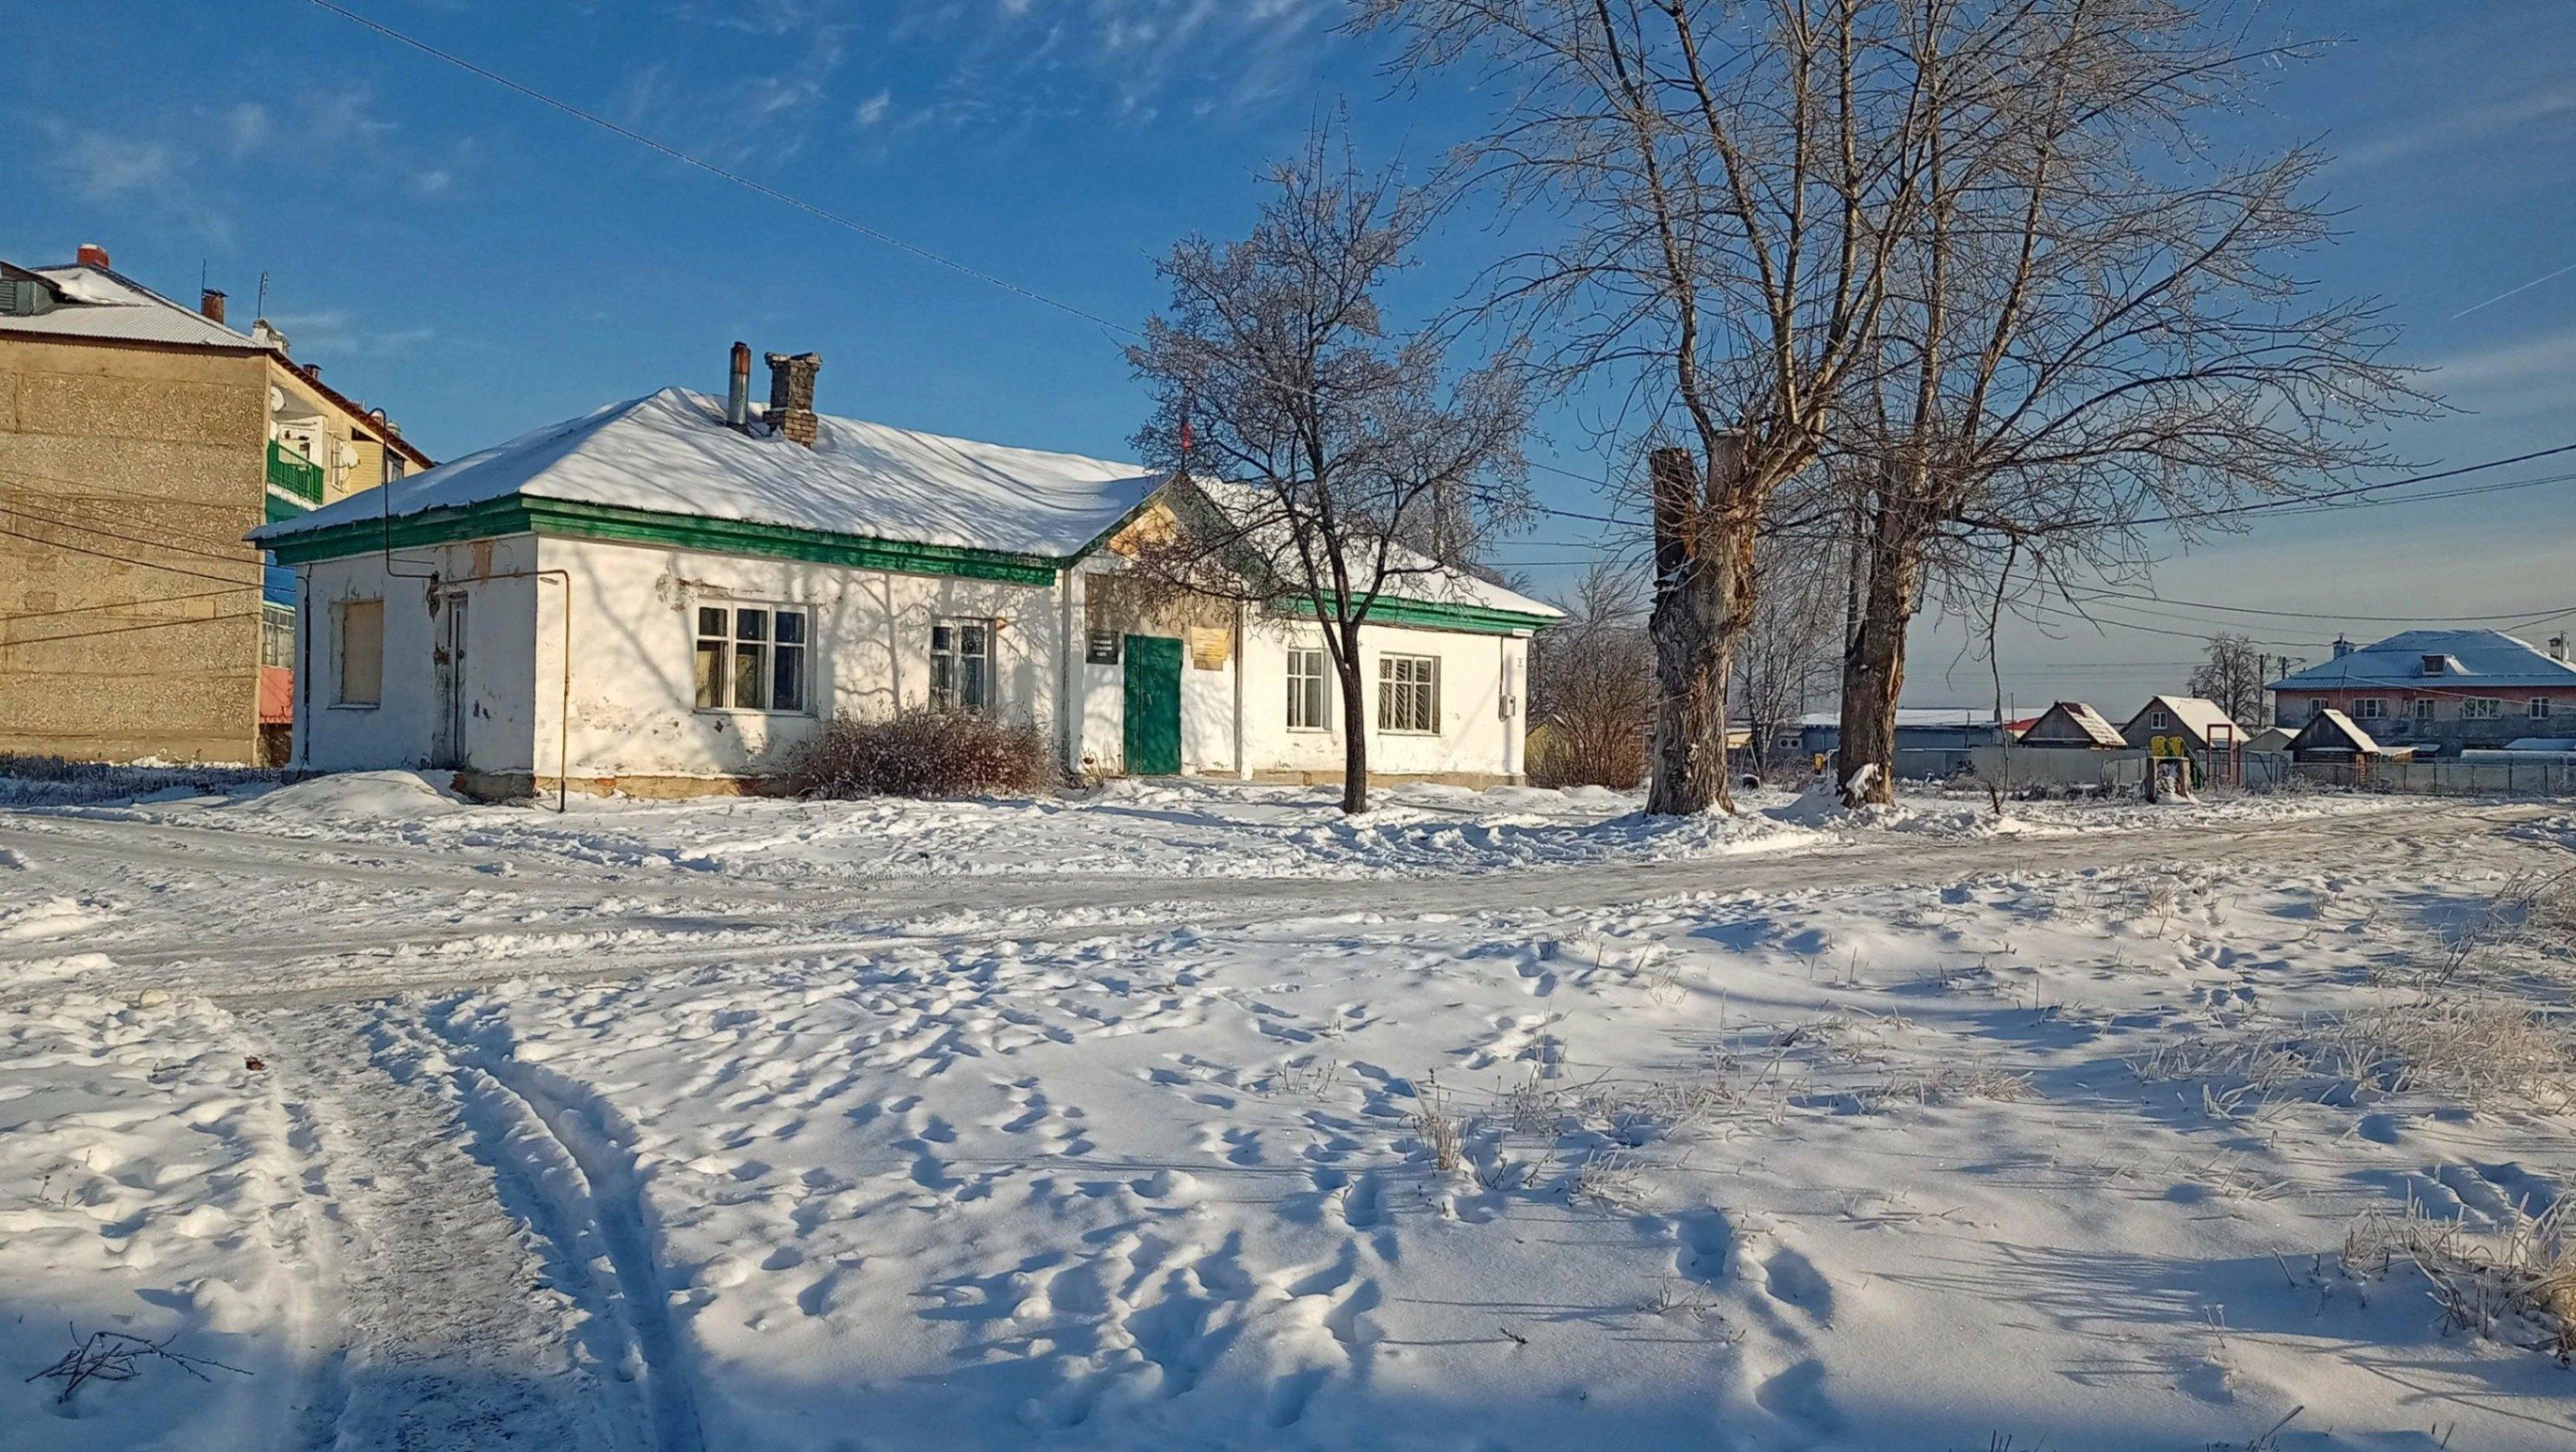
pixel 2086 721
pixel 97 303
pixel 671 452
pixel 2331 722
pixel 1433 584
pixel 2470 658
pixel 2192 713
pixel 1912 716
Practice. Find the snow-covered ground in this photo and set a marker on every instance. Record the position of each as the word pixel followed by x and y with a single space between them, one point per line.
pixel 1134 1121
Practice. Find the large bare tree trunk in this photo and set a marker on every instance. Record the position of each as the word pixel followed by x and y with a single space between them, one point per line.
pixel 1874 668
pixel 1703 586
pixel 1346 665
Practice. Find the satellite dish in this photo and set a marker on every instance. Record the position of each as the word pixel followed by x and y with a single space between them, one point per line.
pixel 276 399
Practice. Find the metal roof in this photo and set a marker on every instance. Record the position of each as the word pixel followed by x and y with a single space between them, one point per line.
pixel 2195 714
pixel 98 303
pixel 2086 721
pixel 2470 658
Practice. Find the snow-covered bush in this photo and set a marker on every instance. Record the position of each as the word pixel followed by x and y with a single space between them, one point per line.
pixel 929 753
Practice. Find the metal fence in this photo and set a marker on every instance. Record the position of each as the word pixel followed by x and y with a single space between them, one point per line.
pixel 2446 778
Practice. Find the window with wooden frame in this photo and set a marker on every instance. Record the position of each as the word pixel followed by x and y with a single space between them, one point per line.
pixel 961 666
pixel 358 630
pixel 752 658
pixel 1310 691
pixel 1408 694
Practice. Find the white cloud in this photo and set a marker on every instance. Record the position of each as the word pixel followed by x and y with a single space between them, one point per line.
pixel 873 109
pixel 2449 127
pixel 98 166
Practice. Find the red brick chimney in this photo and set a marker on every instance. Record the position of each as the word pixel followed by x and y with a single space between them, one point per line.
pixel 791 395
pixel 211 303
pixel 92 255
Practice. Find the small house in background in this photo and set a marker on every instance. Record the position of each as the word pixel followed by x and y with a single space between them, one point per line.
pixel 2200 724
pixel 2441 690
pixel 2332 736
pixel 2270 738
pixel 2073 724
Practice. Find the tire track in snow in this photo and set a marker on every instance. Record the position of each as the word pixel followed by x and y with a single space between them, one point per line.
pixel 448 1327
pixel 575 1151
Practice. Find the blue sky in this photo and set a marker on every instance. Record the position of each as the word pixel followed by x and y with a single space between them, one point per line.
pixel 479 265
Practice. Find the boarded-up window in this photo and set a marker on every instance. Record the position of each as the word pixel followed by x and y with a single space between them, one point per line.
pixel 362 652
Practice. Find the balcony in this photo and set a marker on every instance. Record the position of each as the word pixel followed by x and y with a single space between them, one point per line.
pixel 294 473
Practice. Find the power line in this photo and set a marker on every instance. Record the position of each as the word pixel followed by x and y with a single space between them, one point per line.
pixel 131 629
pixel 16 616
pixel 126 559
pixel 239 556
pixel 968 270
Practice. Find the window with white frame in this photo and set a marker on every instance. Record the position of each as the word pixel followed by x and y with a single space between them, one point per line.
pixel 2423 708
pixel 359 629
pixel 752 658
pixel 2539 707
pixel 2159 719
pixel 2481 708
pixel 961 665
pixel 1408 693
pixel 1309 691
pixel 2369 708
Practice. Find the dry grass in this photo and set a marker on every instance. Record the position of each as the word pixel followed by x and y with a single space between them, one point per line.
pixel 2516 1284
pixel 1436 1124
pixel 2487 1052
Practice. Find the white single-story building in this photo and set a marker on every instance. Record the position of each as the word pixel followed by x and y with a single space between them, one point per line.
pixel 671 595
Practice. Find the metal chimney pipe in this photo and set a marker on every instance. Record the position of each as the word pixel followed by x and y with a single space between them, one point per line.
pixel 738 397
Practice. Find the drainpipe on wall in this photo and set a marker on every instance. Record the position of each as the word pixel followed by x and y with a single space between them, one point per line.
pixel 1242 757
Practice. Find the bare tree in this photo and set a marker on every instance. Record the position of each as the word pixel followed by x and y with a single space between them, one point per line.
pixel 2231 676
pixel 1730 178
pixel 1791 651
pixel 1592 684
pixel 1321 445
pixel 2090 325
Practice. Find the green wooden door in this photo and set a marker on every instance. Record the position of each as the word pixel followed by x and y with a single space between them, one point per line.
pixel 1153 705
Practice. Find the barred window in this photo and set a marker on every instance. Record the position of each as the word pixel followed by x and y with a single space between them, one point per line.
pixel 751 658
pixel 1309 695
pixel 1408 693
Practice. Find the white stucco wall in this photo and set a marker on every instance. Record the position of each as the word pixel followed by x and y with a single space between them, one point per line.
pixel 401 731
pixel 1477 673
pixel 634 650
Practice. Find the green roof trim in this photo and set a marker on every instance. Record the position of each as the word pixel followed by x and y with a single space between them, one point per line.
pixel 529 514
pixel 1441 615
pixel 282 508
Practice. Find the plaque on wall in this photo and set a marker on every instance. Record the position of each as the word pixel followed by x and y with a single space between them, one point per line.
pixel 1102 648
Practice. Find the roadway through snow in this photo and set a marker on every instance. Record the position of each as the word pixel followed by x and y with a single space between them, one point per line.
pixel 483 1256
pixel 460 917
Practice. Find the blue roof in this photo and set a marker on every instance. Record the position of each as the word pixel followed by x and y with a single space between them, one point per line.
pixel 2471 658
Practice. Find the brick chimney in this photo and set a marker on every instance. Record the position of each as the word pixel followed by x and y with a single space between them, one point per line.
pixel 211 303
pixel 791 395
pixel 92 255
